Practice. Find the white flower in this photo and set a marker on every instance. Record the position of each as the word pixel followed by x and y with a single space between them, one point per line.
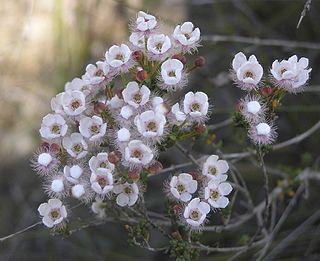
pixel 53 212
pixel 137 40
pixel 92 128
pixel 262 133
pixel 196 212
pixel 187 35
pixel 98 207
pixel 101 163
pixel 145 22
pixel 96 74
pixel 215 193
pixel 45 159
pixel 291 74
pixel 196 105
pixel 101 182
pixel 137 153
pixel 118 56
pixel 158 45
pixel 53 126
pixel 150 124
pixel 179 115
pixel 57 185
pixel 123 135
pixel 57 104
pixel 248 73
pixel 73 173
pixel 252 109
pixel 171 72
pixel 183 186
pixel 127 194
pixel 136 96
pixel 73 102
pixel 215 169
pixel 75 145
pixel 78 84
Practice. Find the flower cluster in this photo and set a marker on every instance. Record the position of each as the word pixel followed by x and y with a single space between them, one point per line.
pixel 107 126
pixel 264 95
pixel 212 191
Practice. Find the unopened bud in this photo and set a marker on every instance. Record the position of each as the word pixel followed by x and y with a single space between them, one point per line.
pixel 114 157
pixel 99 107
pixel 155 167
pixel 176 235
pixel 141 75
pixel 45 145
pixel 194 174
pixel 133 175
pixel 199 61
pixel 54 147
pixel 200 128
pixel 266 90
pixel 177 208
pixel 137 55
pixel 180 57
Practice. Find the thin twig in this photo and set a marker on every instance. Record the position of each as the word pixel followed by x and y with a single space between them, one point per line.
pixel 260 41
pixel 306 8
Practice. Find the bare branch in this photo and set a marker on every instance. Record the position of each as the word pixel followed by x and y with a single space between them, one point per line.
pixel 306 8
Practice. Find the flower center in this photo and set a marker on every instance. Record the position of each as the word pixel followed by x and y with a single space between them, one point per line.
pixel 180 188
pixel 120 57
pixel 172 74
pixel 77 148
pixel 248 74
pixel 187 36
pixel 55 214
pixel 151 126
pixel 94 129
pixel 213 171
pixel 102 182
pixel 137 98
pixel 136 154
pixel 75 104
pixel 195 215
pixel 55 129
pixel 159 46
pixel 215 195
pixel 103 165
pixel 283 70
pixel 195 106
pixel 99 73
pixel 127 190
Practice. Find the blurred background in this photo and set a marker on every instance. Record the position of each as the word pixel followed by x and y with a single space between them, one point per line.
pixel 45 43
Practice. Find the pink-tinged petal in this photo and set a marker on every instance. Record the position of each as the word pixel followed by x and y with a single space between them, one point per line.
pixel 222 202
pixel 43 209
pixel 225 188
pixel 122 200
pixel 54 203
pixel 175 193
pixel 47 221
pixel 204 207
pixel 185 197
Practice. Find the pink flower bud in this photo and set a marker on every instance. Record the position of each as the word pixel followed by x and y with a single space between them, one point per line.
pixel 114 157
pixel 99 107
pixel 155 167
pixel 199 61
pixel 133 175
pixel 180 57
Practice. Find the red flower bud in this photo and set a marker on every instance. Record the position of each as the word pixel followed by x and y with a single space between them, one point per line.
pixel 199 61
pixel 141 75
pixel 180 57
pixel 266 90
pixel 155 167
pixel 137 55
pixel 194 174
pixel 45 145
pixel 133 175
pixel 99 107
pixel 200 128
pixel 177 209
pixel 54 147
pixel 114 157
